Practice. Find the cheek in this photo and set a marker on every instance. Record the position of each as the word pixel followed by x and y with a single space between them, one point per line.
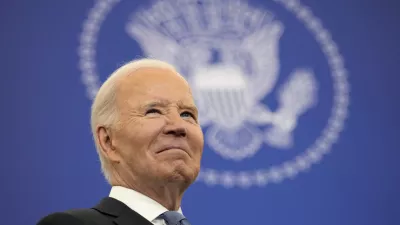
pixel 198 141
pixel 137 137
pixel 145 132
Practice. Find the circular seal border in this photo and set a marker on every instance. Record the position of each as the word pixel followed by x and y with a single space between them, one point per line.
pixel 261 177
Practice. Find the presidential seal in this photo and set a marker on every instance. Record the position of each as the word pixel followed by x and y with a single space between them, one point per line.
pixel 229 52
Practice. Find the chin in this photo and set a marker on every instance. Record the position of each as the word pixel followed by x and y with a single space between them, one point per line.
pixel 183 173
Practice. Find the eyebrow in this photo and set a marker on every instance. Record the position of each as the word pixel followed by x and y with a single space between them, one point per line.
pixel 165 103
pixel 154 103
pixel 190 107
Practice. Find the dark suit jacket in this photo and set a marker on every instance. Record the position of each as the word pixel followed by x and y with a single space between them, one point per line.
pixel 108 212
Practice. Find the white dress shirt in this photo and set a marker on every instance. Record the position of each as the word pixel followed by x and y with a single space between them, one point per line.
pixel 143 205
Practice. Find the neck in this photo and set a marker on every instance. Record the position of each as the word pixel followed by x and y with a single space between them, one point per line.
pixel 168 194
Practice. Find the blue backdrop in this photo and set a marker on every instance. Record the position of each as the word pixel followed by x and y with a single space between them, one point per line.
pixel 315 140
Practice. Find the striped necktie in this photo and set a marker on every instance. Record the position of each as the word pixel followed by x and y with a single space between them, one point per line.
pixel 174 218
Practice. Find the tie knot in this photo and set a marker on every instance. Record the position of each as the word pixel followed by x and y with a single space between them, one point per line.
pixel 174 218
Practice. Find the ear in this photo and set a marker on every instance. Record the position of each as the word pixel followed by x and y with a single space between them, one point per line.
pixel 104 136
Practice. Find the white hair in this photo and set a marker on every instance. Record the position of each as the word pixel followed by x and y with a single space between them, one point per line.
pixel 104 110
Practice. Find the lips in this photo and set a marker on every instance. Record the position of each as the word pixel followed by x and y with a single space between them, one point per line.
pixel 170 147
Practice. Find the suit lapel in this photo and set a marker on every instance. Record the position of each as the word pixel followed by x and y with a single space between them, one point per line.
pixel 122 213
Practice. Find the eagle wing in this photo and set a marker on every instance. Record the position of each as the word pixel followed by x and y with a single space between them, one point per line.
pixel 263 48
pixel 155 45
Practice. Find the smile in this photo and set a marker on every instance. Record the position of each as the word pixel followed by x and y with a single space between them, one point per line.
pixel 172 149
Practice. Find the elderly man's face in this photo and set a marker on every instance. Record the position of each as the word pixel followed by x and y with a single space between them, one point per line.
pixel 158 137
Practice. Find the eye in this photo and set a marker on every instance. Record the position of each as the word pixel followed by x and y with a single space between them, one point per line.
pixel 153 111
pixel 188 114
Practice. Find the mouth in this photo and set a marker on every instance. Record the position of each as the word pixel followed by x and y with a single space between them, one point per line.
pixel 171 149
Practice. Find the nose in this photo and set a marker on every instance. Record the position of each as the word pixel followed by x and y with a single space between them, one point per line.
pixel 176 131
pixel 175 127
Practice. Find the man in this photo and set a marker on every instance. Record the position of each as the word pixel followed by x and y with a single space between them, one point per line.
pixel 146 131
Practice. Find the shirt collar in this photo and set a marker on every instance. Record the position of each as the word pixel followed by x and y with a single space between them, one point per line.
pixel 143 205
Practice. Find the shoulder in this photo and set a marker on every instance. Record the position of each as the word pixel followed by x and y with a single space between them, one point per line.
pixel 60 218
pixel 74 217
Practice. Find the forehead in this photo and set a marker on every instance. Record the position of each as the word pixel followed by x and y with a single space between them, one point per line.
pixel 159 84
